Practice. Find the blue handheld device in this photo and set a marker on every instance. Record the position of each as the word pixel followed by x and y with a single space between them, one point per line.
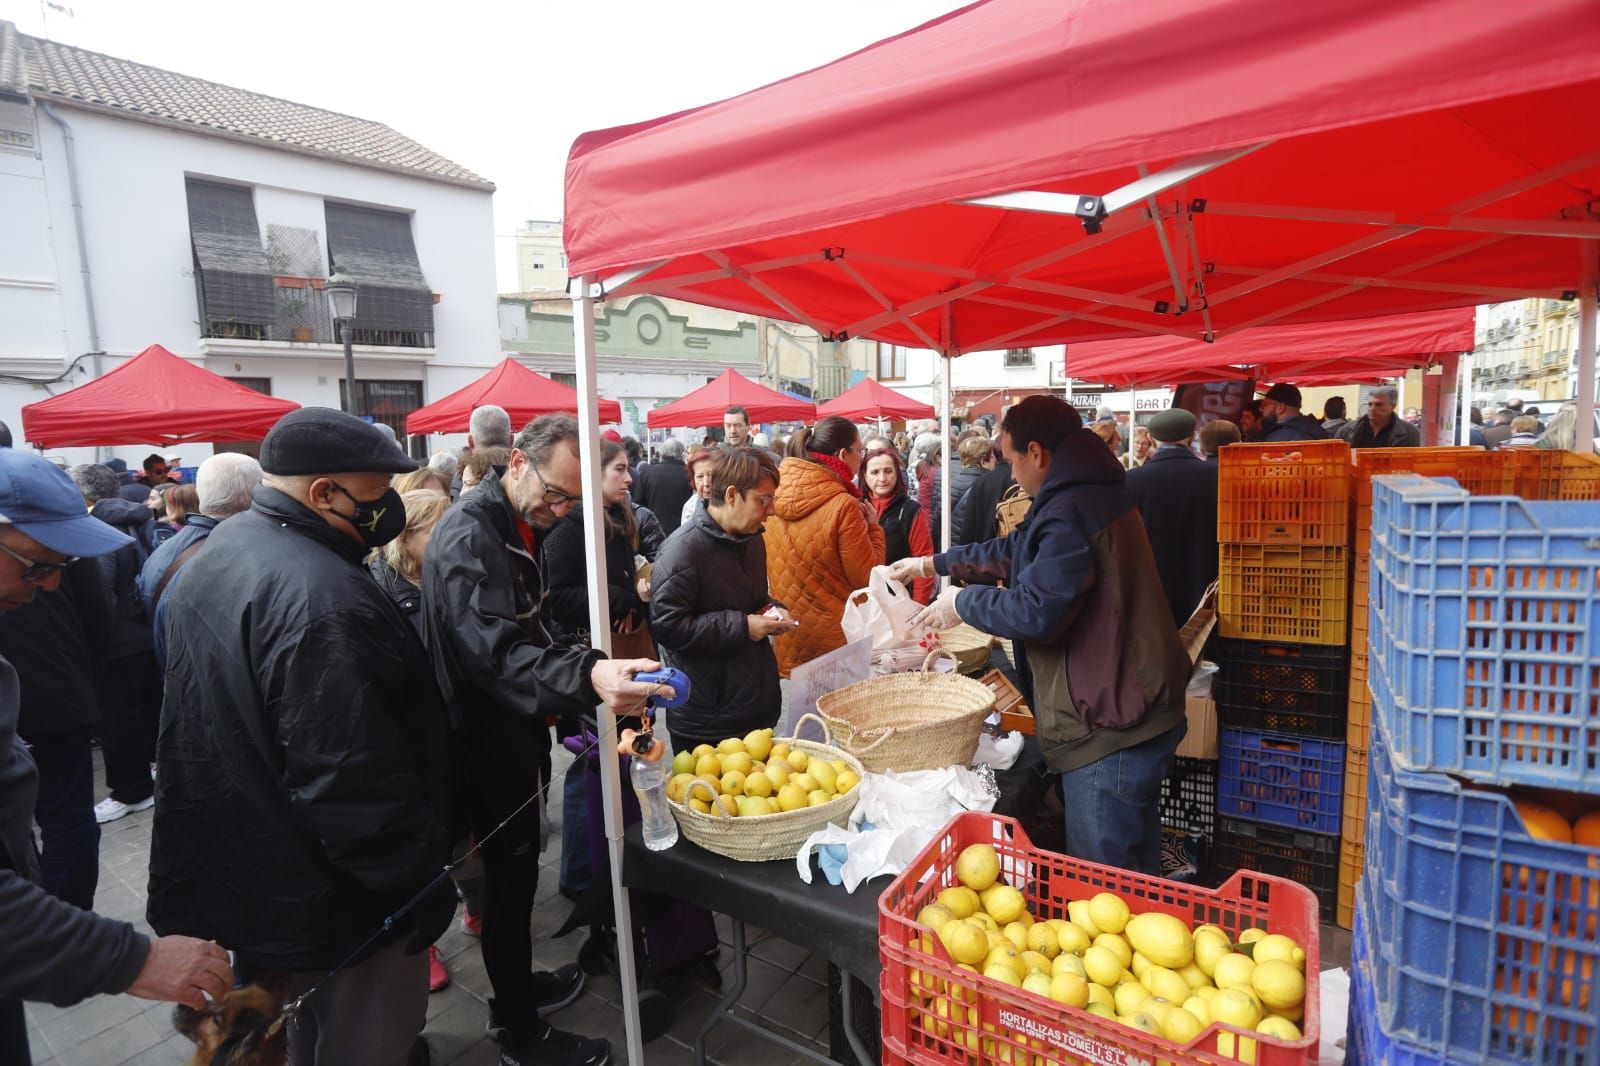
pixel 677 680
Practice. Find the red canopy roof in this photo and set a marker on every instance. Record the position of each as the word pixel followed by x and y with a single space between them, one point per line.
pixel 704 406
pixel 525 394
pixel 1356 350
pixel 154 398
pixel 1191 166
pixel 867 399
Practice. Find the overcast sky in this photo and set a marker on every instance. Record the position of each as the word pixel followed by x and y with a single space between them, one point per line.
pixel 502 88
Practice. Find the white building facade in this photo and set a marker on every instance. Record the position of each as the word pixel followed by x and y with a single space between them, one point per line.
pixel 142 207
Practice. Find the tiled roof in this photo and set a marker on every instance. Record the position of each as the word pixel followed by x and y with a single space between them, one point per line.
pixel 89 79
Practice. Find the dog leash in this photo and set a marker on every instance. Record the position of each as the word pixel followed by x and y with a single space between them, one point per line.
pixel 293 1007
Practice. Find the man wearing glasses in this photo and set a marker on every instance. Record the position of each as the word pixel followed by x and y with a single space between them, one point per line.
pixel 156 471
pixel 488 634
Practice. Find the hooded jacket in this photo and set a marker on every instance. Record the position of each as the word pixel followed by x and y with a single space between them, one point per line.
pixel 1105 669
pixel 1295 427
pixel 664 487
pixel 130 629
pixel 704 583
pixel 565 550
pixel 820 549
pixel 488 630
pixel 304 756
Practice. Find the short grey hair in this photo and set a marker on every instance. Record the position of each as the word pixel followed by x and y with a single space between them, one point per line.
pixel 95 482
pixel 672 449
pixel 927 445
pixel 225 483
pixel 490 427
pixel 1389 391
pixel 539 438
pixel 446 463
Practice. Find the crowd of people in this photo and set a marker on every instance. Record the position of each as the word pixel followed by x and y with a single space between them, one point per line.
pixel 334 671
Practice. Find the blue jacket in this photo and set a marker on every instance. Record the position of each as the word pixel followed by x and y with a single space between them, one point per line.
pixel 1300 427
pixel 1083 596
pixel 196 527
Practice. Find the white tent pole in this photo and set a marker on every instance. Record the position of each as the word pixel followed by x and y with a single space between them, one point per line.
pixel 600 636
pixel 944 452
pixel 1588 309
pixel 1464 399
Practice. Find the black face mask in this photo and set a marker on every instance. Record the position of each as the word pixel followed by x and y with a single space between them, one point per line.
pixel 377 521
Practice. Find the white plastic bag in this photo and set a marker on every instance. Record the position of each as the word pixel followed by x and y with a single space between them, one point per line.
pixel 882 612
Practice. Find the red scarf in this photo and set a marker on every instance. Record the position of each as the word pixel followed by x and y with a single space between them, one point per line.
pixel 836 464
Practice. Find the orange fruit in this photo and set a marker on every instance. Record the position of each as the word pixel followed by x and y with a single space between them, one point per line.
pixel 1586 830
pixel 1543 823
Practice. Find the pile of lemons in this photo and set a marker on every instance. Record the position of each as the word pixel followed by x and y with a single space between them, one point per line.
pixel 1148 971
pixel 749 776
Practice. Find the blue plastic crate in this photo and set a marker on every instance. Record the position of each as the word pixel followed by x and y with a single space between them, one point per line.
pixel 1483 939
pixel 1283 780
pixel 1485 616
pixel 1366 1044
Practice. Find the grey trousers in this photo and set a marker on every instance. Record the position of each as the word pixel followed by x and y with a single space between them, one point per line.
pixel 370 1013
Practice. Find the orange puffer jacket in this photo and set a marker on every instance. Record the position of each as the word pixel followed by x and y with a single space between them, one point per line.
pixel 819 550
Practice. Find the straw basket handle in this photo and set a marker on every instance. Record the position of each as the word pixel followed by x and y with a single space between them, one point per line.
pixel 716 797
pixel 811 716
pixel 927 662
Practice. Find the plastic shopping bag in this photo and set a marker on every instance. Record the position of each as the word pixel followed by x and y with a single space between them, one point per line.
pixel 882 613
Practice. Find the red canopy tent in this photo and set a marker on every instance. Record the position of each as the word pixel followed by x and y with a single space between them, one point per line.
pixel 525 394
pixel 867 399
pixel 704 406
pixel 1357 349
pixel 155 398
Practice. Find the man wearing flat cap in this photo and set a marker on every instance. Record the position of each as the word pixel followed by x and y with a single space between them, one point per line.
pixel 304 755
pixel 1176 492
pixel 1281 420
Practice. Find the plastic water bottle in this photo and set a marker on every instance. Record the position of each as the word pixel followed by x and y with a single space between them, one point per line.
pixel 649 782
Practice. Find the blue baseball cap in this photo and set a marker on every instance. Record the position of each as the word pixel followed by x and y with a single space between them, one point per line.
pixel 39 499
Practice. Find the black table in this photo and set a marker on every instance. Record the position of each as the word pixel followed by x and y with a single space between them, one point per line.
pixel 839 925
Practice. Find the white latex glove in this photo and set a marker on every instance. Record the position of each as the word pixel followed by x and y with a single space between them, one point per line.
pixel 941 613
pixel 908 570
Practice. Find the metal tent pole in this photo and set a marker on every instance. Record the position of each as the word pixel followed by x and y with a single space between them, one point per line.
pixel 583 347
pixel 1588 308
pixel 944 452
pixel 1464 399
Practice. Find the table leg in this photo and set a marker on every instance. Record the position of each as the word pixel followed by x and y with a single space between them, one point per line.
pixel 724 1010
pixel 846 1019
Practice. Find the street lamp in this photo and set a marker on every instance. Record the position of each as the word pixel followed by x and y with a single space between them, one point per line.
pixel 342 295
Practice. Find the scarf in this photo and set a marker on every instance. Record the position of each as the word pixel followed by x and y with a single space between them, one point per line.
pixel 836 464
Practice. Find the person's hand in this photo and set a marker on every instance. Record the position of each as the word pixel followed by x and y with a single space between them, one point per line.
pixel 906 571
pixel 181 969
pixel 762 626
pixel 869 512
pixel 643 587
pixel 941 613
pixel 613 682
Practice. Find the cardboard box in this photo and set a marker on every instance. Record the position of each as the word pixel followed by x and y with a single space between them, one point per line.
pixel 1201 740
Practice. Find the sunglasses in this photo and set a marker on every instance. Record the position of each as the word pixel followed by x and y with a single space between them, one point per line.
pixel 33 571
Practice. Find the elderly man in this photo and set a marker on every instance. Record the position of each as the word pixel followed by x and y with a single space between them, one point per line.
pixel 489 427
pixel 304 785
pixel 1101 662
pixel 488 633
pixel 1176 493
pixel 1281 420
pixel 1216 435
pixel 224 483
pixel 1380 428
pixel 54 952
pixel 664 487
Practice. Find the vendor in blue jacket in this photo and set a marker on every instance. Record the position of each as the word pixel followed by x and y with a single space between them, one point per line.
pixel 1101 662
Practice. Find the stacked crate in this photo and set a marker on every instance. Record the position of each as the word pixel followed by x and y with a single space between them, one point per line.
pixel 1477 913
pixel 1283 527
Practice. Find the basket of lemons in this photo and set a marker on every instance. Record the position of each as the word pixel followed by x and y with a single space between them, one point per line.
pixel 755 799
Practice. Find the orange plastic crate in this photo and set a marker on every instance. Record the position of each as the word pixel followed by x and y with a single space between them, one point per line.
pixel 1554 475
pixel 1358 716
pixel 1351 858
pixel 1480 472
pixel 1013 1026
pixel 1360 583
pixel 1293 594
pixel 1288 494
pixel 1353 826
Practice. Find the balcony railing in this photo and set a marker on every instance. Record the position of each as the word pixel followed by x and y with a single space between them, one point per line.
pixel 301 314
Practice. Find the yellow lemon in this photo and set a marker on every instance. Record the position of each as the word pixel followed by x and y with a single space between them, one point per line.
pixel 1139 965
pixel 1144 1021
pixel 1195 976
pixel 1035 962
pixel 1280 1027
pixel 683 762
pixel 733 783
pixel 817 797
pixel 1108 912
pixel 959 900
pixel 804 781
pixel 1004 973
pixel 1004 953
pixel 790 798
pixel 1102 994
pixel 1277 946
pixel 1102 966
pixel 823 774
pixel 935 916
pixel 1102 1009
pixel 1068 964
pixel 1245 1053
pixel 1234 1006
pixel 729 746
pixel 738 761
pixel 1166 984
pixel 797 760
pixel 779 752
pixel 1250 936
pixel 845 781
pixel 965 942
pixel 1279 984
pixel 1005 904
pixel 1018 936
pixel 1042 938
pixel 1208 950
pixel 1233 971
pixel 777 772
pixel 758 785
pixel 675 787
pixel 1078 911
pixel 1198 1007
pixel 703 749
pixel 1161 938
pixel 1129 998
pixel 1070 989
pixel 758 743
pixel 1037 983
pixel 1072 938
pixel 708 765
pixel 1180 1026
pixel 1117 946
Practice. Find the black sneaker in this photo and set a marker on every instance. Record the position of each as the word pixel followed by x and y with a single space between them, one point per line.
pixel 556 1048
pixel 552 990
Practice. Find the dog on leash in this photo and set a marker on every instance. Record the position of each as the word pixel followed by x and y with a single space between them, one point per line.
pixel 243 1028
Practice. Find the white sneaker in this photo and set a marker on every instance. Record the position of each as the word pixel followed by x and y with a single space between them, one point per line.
pixel 109 810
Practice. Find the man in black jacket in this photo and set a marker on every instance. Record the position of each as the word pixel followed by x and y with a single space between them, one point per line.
pixel 488 631
pixel 304 756
pixel 1281 420
pixel 1176 493
pixel 708 602
pixel 52 951
pixel 977 509
pixel 664 486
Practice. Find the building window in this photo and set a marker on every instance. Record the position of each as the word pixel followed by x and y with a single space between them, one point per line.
pixel 563 378
pixel 891 363
pixel 386 401
pixel 538 262
pixel 1018 357
pixel 232 279
pixel 394 305
pixel 251 448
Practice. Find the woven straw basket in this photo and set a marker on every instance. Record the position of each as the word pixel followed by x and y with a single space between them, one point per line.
pixel 910 721
pixel 969 647
pixel 771 836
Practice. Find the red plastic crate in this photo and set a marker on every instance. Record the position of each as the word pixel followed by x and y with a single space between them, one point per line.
pixel 1285 494
pixel 1014 1026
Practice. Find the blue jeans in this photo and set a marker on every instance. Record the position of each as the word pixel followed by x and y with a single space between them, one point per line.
pixel 1114 805
pixel 69 855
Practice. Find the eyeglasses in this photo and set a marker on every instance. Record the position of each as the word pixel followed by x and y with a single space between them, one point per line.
pixel 35 572
pixel 553 497
pixel 766 501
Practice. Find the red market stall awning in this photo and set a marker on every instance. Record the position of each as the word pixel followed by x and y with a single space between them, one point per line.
pixel 1354 350
pixel 154 398
pixel 704 406
pixel 1025 172
pixel 525 394
pixel 869 400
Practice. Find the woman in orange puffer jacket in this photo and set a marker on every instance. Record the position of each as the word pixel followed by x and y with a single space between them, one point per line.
pixel 823 539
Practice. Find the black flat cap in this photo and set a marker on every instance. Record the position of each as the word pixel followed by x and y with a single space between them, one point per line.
pixel 1171 425
pixel 320 440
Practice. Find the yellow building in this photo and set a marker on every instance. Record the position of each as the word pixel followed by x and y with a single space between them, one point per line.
pixel 1526 346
